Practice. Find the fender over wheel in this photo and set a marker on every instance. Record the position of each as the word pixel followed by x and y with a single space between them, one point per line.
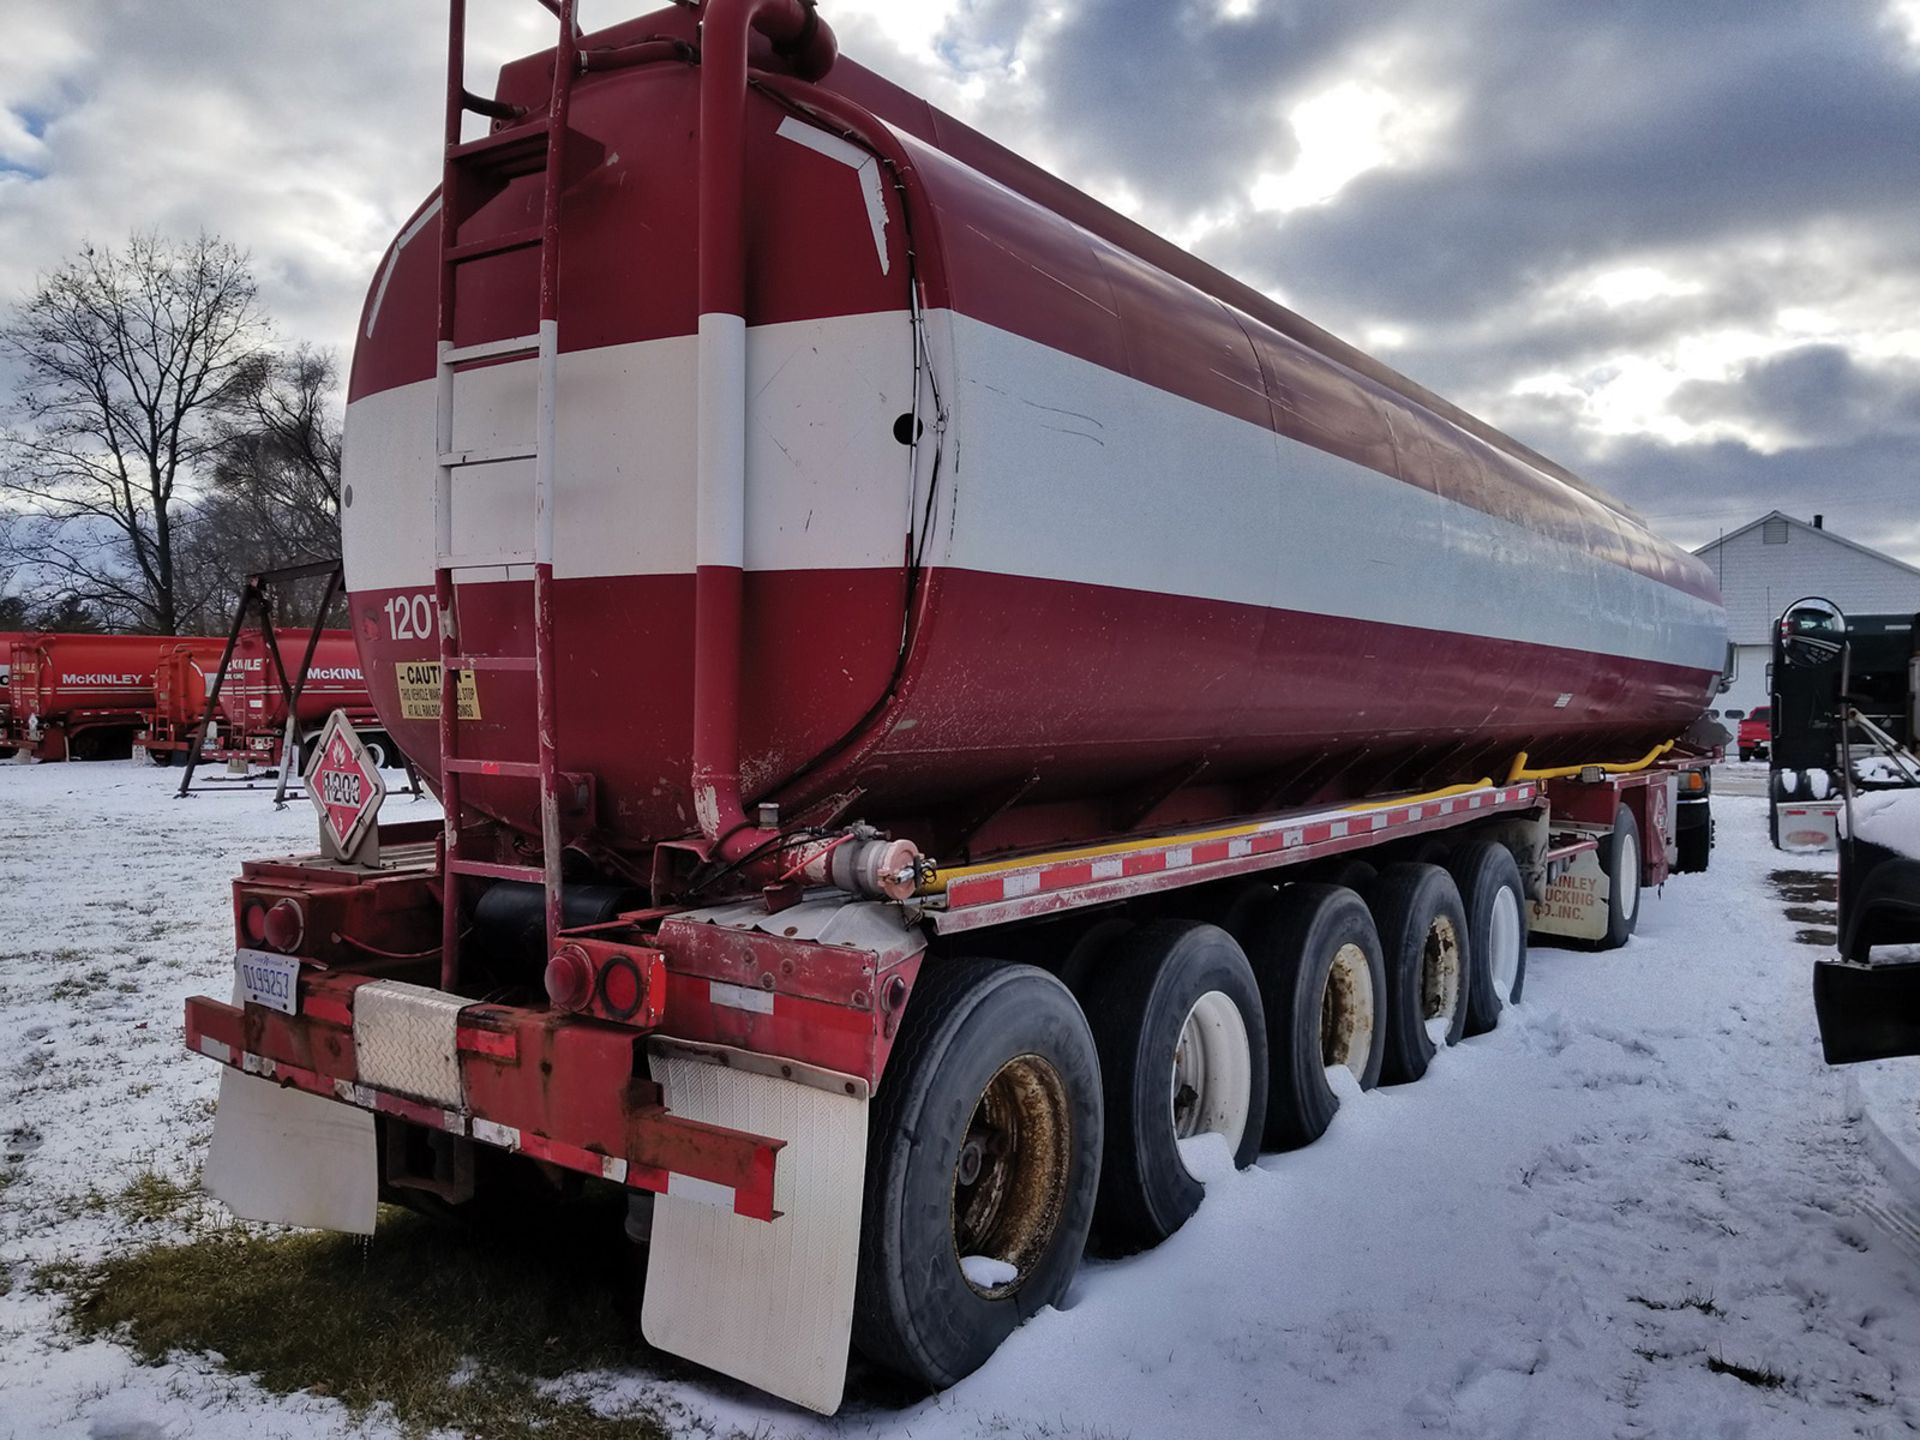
pixel 1423 940
pixel 983 1160
pixel 1316 954
pixel 1491 893
pixel 1177 1018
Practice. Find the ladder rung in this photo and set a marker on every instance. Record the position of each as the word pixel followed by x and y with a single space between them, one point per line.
pixel 493 349
pixel 486 455
pixel 498 245
pixel 487 870
pixel 512 769
pixel 494 662
pixel 483 559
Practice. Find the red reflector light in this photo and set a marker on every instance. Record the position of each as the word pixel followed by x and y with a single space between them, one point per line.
pixel 254 917
pixel 284 926
pixel 621 989
pixel 569 979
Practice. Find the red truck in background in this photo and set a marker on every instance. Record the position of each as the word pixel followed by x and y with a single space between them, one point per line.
pixel 87 697
pixel 1755 737
pixel 250 721
pixel 886 919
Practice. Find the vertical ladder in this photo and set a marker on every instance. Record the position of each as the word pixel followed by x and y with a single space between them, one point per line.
pixel 474 171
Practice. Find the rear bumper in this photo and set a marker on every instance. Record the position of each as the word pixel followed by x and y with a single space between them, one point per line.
pixel 571 1092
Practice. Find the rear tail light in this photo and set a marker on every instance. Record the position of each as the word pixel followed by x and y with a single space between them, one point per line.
pixel 253 921
pixel 284 926
pixel 569 979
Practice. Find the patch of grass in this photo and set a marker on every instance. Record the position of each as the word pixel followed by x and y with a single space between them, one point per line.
pixel 1762 1377
pixel 456 1331
pixel 1692 1299
pixel 147 1198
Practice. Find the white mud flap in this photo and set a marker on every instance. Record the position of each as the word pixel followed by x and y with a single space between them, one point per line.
pixel 290 1158
pixel 770 1303
pixel 1576 905
pixel 1809 826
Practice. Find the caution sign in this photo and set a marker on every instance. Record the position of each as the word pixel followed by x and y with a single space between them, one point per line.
pixel 419 683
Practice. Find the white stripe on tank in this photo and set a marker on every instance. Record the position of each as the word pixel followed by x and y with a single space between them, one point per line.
pixel 1054 468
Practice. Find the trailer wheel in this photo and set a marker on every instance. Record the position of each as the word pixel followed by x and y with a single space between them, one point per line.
pixel 7 752
pixel 1620 858
pixel 377 750
pixel 1492 895
pixel 1423 939
pixel 1355 874
pixel 1177 1018
pixel 1324 986
pixel 1090 950
pixel 161 758
pixel 983 1160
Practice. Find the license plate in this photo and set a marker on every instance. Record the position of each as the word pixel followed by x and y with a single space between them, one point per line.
pixel 269 980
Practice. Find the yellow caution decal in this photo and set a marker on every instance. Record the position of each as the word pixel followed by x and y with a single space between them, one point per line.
pixel 419 684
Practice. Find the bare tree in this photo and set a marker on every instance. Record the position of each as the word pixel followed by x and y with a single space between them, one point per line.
pixel 134 362
pixel 273 497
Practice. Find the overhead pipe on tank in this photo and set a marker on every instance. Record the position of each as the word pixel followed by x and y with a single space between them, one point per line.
pixel 807 44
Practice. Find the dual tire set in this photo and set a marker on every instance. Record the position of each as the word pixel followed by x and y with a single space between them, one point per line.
pixel 1025 1112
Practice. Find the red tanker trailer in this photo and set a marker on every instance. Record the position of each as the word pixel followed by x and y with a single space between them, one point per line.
pixel 898 643
pixel 251 718
pixel 85 697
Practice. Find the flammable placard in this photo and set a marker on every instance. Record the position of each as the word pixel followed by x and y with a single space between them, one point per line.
pixel 419 683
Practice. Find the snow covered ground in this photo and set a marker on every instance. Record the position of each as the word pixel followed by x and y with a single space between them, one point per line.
pixel 1583 1224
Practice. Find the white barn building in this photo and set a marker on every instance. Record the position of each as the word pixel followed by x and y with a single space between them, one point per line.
pixel 1767 565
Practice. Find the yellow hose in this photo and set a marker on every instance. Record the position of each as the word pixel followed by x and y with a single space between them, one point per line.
pixel 1519 770
pixel 1484 783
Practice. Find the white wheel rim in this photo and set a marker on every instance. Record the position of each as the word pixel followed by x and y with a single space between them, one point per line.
pixel 1346 1012
pixel 1503 941
pixel 1629 877
pixel 1212 1082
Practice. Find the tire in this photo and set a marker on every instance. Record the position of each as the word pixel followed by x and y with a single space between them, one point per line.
pixel 379 750
pixel 1494 898
pixel 1175 1006
pixel 1745 754
pixel 7 752
pixel 1090 950
pixel 1694 848
pixel 1355 875
pixel 1323 986
pixel 1423 940
pixel 1620 858
pixel 985 1049
pixel 160 758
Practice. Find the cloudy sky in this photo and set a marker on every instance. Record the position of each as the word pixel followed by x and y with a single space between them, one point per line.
pixel 1674 243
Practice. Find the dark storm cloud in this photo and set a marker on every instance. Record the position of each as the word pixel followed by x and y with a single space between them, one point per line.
pixel 1814 394
pixel 1592 130
pixel 1167 95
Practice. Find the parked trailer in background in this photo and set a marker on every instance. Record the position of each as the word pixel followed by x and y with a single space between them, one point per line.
pixel 86 697
pixel 1036 703
pixel 251 721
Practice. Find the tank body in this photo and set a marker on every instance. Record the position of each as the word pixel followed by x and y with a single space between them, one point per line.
pixel 59 676
pixel 250 698
pixel 1046 521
